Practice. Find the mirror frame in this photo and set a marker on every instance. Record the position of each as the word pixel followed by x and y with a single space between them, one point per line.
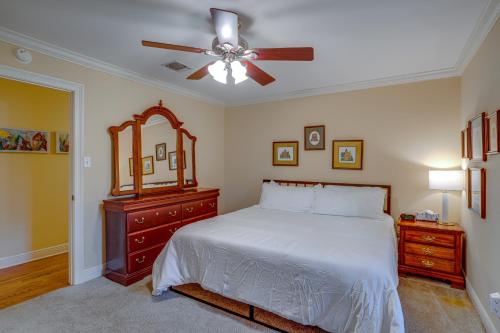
pixel 114 131
pixel 193 157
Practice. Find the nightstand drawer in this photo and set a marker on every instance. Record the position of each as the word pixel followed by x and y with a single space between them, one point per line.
pixel 427 237
pixel 430 263
pixel 431 251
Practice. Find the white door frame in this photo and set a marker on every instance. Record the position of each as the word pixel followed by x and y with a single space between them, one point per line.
pixel 76 241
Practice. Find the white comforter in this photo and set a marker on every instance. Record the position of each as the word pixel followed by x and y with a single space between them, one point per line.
pixel 338 273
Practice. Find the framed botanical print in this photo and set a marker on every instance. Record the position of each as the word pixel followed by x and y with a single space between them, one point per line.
pixel 476 190
pixel 161 151
pixel 62 142
pixel 148 165
pixel 347 154
pixel 493 135
pixel 172 160
pixel 477 137
pixel 285 153
pixel 314 137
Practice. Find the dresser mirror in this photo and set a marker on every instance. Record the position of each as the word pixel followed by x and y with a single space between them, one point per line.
pixel 145 152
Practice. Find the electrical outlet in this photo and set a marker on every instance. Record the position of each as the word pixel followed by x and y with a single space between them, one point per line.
pixel 495 304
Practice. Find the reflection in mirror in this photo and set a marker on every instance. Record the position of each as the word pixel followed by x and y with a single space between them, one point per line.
pixel 188 159
pixel 125 164
pixel 158 137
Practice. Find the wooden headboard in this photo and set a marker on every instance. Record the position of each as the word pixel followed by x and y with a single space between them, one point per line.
pixel 302 183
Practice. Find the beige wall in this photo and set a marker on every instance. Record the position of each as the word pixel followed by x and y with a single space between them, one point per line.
pixel 481 93
pixel 406 129
pixel 110 100
pixel 34 188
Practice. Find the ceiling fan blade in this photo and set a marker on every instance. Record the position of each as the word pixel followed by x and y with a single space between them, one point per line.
pixel 200 73
pixel 258 74
pixel 285 53
pixel 172 47
pixel 226 26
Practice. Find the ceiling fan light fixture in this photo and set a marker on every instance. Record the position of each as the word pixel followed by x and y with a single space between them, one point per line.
pixel 218 71
pixel 238 71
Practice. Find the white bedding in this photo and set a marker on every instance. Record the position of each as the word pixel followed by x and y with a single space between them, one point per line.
pixel 338 273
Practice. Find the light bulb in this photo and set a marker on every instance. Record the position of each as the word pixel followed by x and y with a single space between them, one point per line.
pixel 239 72
pixel 218 71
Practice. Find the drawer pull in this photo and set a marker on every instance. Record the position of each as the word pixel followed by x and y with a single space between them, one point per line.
pixel 428 238
pixel 189 209
pixel 141 221
pixel 427 251
pixel 140 241
pixel 211 204
pixel 172 213
pixel 140 260
pixel 427 263
pixel 157 213
pixel 172 231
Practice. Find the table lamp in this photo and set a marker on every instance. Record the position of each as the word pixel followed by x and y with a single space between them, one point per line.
pixel 446 180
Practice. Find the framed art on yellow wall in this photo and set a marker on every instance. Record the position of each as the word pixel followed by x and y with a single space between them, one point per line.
pixel 347 154
pixel 286 153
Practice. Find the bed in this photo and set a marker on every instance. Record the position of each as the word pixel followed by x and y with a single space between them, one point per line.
pixel 338 273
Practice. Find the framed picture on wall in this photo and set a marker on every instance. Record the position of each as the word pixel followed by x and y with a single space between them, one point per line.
pixel 477 137
pixel 172 160
pixel 463 143
pixel 314 137
pixel 285 153
pixel 161 151
pixel 347 154
pixel 15 140
pixel 148 167
pixel 493 136
pixel 476 190
pixel 62 142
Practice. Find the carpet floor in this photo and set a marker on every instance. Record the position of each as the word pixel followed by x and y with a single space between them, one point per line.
pixel 103 306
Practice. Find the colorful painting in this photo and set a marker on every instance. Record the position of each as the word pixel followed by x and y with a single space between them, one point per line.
pixel 62 142
pixel 347 154
pixel 286 153
pixel 26 141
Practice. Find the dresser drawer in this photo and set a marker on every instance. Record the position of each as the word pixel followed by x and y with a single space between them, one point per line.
pixel 430 250
pixel 209 205
pixel 148 218
pixel 192 209
pixel 150 237
pixel 430 263
pixel 427 237
pixel 143 259
pixel 168 214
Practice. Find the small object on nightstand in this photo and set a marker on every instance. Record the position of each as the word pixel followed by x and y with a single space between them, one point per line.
pixel 428 215
pixel 407 217
pixel 432 250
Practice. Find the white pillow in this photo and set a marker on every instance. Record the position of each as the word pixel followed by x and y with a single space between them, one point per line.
pixel 350 201
pixel 290 198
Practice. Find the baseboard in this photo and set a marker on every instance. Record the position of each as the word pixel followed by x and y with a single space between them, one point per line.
pixel 33 255
pixel 90 274
pixel 483 313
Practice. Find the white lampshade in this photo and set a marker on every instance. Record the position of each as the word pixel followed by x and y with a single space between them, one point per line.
pixel 238 71
pixel 446 180
pixel 218 71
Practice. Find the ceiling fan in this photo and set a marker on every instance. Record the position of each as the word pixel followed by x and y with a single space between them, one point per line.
pixel 233 53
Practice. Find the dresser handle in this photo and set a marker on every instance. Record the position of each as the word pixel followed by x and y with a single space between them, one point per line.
pixel 172 231
pixel 189 209
pixel 428 238
pixel 427 263
pixel 141 221
pixel 141 260
pixel 211 204
pixel 140 241
pixel 427 251
pixel 172 213
pixel 157 213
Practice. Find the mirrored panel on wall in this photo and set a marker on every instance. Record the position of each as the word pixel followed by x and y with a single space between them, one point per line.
pixel 158 139
pixel 125 160
pixel 188 143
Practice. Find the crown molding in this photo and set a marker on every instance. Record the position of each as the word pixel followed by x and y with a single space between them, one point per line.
pixel 483 26
pixel 28 42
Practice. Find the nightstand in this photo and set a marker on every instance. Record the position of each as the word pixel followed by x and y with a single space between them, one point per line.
pixel 432 250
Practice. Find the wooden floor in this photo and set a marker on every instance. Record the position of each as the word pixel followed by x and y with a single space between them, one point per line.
pixel 23 282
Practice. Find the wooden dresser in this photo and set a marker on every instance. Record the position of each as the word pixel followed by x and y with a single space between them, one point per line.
pixel 433 250
pixel 138 228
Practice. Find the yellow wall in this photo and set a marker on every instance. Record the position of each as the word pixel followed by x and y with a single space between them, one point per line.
pixel 33 187
pixel 481 93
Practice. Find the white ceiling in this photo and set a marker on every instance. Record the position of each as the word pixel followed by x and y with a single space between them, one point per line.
pixel 355 41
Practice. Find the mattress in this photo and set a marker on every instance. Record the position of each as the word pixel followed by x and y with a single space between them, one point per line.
pixel 337 273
